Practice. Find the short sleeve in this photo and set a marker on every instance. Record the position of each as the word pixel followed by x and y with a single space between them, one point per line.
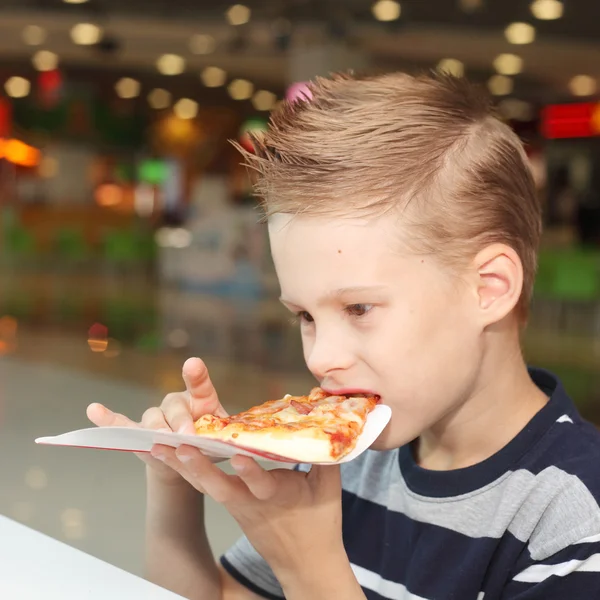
pixel 572 573
pixel 250 569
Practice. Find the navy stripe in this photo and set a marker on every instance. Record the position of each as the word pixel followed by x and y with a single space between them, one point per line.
pixel 246 582
pixel 392 544
pixel 577 586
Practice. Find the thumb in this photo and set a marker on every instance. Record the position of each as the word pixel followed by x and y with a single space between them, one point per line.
pixel 203 396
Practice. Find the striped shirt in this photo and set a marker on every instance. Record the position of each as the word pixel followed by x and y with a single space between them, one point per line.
pixel 521 525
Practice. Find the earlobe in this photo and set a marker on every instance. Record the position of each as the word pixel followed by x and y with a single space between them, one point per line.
pixel 500 281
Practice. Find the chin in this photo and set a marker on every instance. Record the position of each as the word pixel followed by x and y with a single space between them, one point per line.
pixel 384 441
pixel 390 440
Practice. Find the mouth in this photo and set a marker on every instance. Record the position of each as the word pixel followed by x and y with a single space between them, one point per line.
pixel 353 393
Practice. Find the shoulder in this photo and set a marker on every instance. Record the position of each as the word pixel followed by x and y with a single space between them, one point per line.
pixel 564 486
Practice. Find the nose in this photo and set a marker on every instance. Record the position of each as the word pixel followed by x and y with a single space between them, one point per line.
pixel 326 353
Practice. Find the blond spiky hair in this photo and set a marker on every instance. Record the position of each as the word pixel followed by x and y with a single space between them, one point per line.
pixel 429 145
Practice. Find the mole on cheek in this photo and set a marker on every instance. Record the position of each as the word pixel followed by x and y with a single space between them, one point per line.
pixel 339 251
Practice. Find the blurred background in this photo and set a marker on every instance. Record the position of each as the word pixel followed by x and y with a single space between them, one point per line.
pixel 129 237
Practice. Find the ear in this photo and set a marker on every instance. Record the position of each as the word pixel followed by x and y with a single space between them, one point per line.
pixel 499 282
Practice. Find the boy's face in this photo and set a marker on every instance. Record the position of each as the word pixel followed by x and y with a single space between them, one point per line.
pixel 374 319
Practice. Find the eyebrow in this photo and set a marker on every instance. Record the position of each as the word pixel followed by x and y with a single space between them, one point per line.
pixel 341 292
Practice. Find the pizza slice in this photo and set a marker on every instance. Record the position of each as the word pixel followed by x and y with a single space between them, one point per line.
pixel 319 427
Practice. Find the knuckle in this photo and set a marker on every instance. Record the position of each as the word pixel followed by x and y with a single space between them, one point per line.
pixel 173 399
pixel 153 416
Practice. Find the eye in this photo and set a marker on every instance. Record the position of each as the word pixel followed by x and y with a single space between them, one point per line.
pixel 303 317
pixel 358 310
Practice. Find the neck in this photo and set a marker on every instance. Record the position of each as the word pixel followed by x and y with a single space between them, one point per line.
pixel 504 399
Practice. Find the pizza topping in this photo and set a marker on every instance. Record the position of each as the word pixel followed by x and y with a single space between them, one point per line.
pixel 303 409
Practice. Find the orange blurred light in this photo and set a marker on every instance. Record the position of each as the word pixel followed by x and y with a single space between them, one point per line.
pixel 109 194
pixel 19 153
pixel 8 326
pixel 98 345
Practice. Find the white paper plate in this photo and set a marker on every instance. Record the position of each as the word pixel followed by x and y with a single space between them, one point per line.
pixel 128 439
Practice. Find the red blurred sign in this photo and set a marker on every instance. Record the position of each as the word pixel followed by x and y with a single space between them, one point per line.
pixel 5 117
pixel 577 120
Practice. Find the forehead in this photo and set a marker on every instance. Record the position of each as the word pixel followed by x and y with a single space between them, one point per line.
pixel 323 252
pixel 291 233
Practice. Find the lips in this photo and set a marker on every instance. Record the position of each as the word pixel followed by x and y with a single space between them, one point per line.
pixel 352 392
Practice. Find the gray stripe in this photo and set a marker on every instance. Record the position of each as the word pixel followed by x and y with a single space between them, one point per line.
pixel 552 509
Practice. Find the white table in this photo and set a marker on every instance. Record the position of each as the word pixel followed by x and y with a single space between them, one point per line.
pixel 34 566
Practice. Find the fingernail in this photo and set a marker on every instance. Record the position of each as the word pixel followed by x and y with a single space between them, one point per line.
pixel 184 458
pixel 237 466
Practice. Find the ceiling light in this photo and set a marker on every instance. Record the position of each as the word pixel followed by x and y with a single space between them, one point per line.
pixel 127 87
pixel 186 109
pixel 508 64
pixel 202 44
pixel 500 85
pixel 171 64
pixel 470 6
pixel 17 87
pixel 516 110
pixel 240 89
pixel 34 35
pixel 583 85
pixel 547 10
pixel 520 33
pixel 213 77
pixel 386 10
pixel 264 100
pixel 86 34
pixel 238 14
pixel 44 60
pixel 75 1
pixel 451 66
pixel 159 99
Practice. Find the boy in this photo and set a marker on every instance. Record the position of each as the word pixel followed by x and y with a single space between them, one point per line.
pixel 404 228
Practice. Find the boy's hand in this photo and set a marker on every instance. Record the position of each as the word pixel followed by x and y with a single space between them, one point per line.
pixel 293 519
pixel 177 412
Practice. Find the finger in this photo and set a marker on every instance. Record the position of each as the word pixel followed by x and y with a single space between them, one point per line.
pixel 202 473
pixel 203 396
pixel 176 411
pixel 154 418
pixel 104 417
pixel 261 483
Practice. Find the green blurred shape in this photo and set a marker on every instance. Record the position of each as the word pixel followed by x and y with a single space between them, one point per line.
pixel 577 276
pixel 18 242
pixel 579 383
pixel 153 171
pixel 149 342
pixel 71 244
pixel 569 275
pixel 123 248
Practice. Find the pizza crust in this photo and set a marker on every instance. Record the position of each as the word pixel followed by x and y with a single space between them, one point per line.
pixel 305 445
